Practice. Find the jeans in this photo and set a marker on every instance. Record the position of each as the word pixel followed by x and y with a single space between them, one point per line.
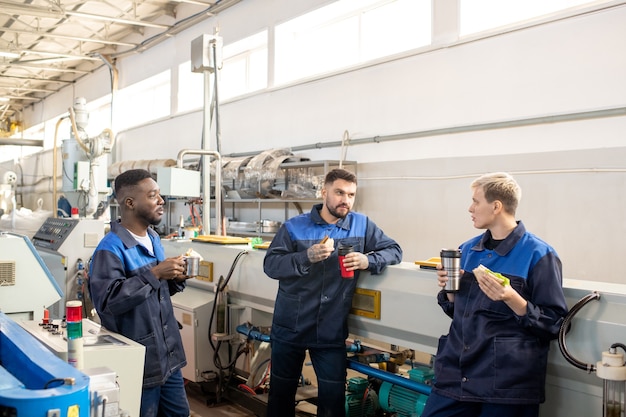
pixel 440 406
pixel 286 370
pixel 167 400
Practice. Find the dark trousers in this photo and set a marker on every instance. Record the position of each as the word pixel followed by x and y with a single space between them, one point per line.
pixel 440 406
pixel 167 400
pixel 286 371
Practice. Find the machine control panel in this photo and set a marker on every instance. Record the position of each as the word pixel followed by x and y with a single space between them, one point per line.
pixel 53 233
pixel 102 348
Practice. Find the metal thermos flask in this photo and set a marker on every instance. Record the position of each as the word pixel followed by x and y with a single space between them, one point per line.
pixel 451 262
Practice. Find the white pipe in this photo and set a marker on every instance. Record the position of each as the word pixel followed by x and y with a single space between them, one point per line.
pixel 151 165
pixel 206 185
pixel 54 167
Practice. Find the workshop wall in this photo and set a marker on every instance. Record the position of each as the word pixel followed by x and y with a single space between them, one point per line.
pixel 565 78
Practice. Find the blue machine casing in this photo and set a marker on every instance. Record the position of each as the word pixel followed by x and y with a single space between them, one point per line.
pixel 26 367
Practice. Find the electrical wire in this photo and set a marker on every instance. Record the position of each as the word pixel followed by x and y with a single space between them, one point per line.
pixel 217 361
pixel 565 328
pixel 197 215
pixel 219 288
pixel 246 388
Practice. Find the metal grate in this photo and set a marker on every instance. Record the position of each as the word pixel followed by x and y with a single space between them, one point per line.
pixel 7 273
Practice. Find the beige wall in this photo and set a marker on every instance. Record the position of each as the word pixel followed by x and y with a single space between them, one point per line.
pixel 572 67
pixel 568 200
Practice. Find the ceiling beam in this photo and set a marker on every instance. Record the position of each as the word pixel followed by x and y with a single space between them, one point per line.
pixel 14 9
pixel 22 88
pixel 198 2
pixel 54 55
pixel 117 20
pixel 21 98
pixel 19 64
pixel 44 80
pixel 66 37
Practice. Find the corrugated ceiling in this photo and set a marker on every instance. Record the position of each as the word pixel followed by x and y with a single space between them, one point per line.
pixel 46 45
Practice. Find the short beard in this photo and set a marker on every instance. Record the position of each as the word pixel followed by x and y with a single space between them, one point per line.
pixel 335 214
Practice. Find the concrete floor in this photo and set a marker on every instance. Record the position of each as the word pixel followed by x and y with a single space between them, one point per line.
pixel 203 405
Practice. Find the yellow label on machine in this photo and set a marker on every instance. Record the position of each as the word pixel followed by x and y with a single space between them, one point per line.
pixel 73 411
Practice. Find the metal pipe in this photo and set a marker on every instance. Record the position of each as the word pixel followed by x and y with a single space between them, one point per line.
pixel 252 333
pixel 21 142
pixel 218 140
pixel 206 184
pixel 507 124
pixel 389 377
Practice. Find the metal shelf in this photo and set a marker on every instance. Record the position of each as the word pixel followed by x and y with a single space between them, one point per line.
pixel 325 166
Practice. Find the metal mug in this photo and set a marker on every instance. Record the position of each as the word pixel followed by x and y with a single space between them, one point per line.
pixel 451 262
pixel 192 266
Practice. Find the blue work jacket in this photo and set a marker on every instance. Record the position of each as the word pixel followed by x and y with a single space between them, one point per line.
pixel 132 301
pixel 313 301
pixel 491 354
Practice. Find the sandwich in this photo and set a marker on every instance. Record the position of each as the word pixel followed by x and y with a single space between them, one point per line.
pixel 503 280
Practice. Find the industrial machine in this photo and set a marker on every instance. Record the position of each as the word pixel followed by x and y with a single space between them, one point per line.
pixel 65 246
pixel 101 349
pixel 35 346
pixel 27 287
pixel 85 161
pixel 34 382
pixel 398 310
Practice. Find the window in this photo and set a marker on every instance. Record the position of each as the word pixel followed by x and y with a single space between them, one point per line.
pixel 190 88
pixel 99 115
pixel 480 15
pixel 142 102
pixel 245 66
pixel 349 32
pixel 244 70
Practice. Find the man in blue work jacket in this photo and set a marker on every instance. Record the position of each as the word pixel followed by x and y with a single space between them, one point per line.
pixel 493 361
pixel 131 282
pixel 313 300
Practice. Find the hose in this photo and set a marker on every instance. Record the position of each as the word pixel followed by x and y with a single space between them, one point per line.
pixel 221 285
pixel 565 328
pixel 390 377
pixel 614 347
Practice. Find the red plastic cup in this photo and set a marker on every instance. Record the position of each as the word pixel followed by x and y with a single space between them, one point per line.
pixel 343 251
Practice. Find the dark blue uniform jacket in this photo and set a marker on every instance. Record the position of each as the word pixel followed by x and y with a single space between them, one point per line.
pixel 313 300
pixel 131 301
pixel 491 354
